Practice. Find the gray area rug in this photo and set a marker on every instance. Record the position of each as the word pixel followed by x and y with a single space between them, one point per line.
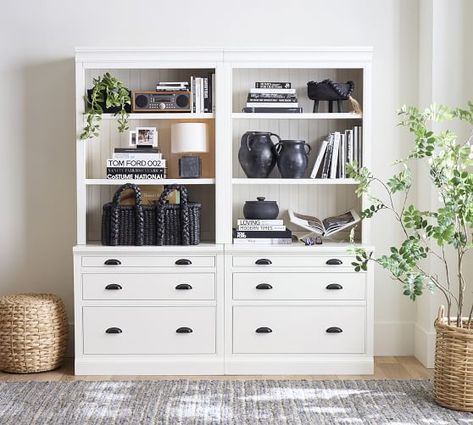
pixel 224 402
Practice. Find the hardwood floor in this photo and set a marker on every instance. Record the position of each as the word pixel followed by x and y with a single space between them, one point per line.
pixel 385 368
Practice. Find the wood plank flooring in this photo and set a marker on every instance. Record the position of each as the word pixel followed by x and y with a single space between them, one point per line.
pixel 385 368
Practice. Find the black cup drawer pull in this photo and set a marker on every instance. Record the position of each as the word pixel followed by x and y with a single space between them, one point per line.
pixel 334 286
pixel 263 262
pixel 184 330
pixel 334 330
pixel 113 286
pixel 183 262
pixel 264 330
pixel 264 286
pixel 334 262
pixel 113 331
pixel 183 286
pixel 112 262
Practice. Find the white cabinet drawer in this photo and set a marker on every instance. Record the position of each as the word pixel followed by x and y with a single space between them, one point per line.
pixel 264 261
pixel 299 286
pixel 298 330
pixel 148 286
pixel 151 261
pixel 149 330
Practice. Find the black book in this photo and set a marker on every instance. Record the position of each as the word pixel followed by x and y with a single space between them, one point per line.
pixel 265 110
pixel 284 234
pixel 132 170
pixel 273 85
pixel 328 159
pixel 272 96
pixel 141 149
pixel 272 100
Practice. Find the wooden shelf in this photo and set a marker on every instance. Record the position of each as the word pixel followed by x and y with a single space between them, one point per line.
pixel 161 116
pixel 110 182
pixel 248 181
pixel 303 116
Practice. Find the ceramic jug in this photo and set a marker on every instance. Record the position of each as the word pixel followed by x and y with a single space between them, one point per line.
pixel 257 155
pixel 292 158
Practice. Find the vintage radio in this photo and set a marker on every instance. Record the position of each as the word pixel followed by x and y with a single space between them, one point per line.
pixel 161 101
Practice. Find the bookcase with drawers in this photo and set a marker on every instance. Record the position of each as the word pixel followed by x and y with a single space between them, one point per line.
pixel 219 308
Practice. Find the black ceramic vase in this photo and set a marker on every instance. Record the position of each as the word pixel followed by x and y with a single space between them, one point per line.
pixel 261 209
pixel 256 155
pixel 292 158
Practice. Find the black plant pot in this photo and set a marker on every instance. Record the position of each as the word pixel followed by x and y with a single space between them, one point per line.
pixel 113 109
pixel 261 209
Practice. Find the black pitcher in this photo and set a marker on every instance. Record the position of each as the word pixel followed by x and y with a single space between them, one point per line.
pixel 257 155
pixel 292 158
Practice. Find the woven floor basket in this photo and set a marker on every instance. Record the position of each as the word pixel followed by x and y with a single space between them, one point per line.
pixel 453 374
pixel 33 332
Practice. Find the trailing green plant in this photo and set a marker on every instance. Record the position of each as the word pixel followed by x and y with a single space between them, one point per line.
pixel 109 90
pixel 434 233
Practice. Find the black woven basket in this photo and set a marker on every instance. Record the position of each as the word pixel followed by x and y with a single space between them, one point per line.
pixel 178 224
pixel 128 224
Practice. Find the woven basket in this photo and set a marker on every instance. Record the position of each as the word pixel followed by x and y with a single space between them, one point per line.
pixel 453 374
pixel 33 332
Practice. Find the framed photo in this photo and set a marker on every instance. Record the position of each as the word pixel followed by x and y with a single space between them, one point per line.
pixel 132 138
pixel 146 136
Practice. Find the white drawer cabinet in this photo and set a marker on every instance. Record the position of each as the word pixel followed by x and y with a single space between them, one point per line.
pixel 264 261
pixel 177 261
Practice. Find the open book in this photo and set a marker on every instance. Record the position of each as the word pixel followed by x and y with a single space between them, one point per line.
pixel 326 227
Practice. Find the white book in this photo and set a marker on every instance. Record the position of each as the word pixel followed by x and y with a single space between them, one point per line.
pixel 318 161
pixel 244 228
pixel 355 143
pixel 198 91
pixel 274 91
pixel 259 222
pixel 341 161
pixel 360 146
pixel 136 163
pixel 193 94
pixel 336 147
pixel 350 146
pixel 131 155
pixel 263 241
pixel 272 105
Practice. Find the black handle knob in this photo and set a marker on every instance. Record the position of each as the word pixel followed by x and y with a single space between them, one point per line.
pixel 263 262
pixel 334 330
pixel 264 286
pixel 112 262
pixel 183 286
pixel 334 286
pixel 183 262
pixel 334 262
pixel 264 330
pixel 184 330
pixel 113 331
pixel 113 286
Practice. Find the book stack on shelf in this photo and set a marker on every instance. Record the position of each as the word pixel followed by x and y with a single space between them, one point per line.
pixel 145 163
pixel 336 151
pixel 203 94
pixel 272 97
pixel 264 232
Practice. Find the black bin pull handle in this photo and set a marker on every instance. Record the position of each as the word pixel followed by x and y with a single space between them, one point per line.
pixel 112 262
pixel 114 286
pixel 334 330
pixel 113 331
pixel 264 286
pixel 183 286
pixel 184 330
pixel 264 330
pixel 263 262
pixel 183 262
pixel 334 262
pixel 334 286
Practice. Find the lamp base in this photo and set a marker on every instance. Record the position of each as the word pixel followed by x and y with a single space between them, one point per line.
pixel 190 167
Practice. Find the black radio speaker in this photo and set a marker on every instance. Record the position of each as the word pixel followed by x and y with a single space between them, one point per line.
pixel 165 101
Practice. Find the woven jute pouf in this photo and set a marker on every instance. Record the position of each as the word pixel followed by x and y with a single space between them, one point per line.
pixel 33 332
pixel 453 373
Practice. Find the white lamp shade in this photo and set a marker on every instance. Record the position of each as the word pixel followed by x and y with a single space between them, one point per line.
pixel 189 137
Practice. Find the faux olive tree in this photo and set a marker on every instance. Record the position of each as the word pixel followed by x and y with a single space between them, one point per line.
pixel 433 234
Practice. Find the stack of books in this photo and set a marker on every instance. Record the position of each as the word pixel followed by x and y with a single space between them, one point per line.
pixel 172 86
pixel 272 97
pixel 336 151
pixel 203 94
pixel 264 232
pixel 143 163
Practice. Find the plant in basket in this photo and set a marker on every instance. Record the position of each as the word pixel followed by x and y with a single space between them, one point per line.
pixel 437 235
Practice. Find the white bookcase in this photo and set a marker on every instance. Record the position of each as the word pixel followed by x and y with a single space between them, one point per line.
pixel 223 306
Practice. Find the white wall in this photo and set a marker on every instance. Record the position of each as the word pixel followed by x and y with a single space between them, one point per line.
pixel 37 116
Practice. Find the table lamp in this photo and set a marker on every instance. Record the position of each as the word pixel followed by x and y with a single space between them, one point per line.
pixel 189 137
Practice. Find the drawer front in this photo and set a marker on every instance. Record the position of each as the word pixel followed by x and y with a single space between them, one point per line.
pixel 268 261
pixel 149 330
pixel 148 286
pixel 298 330
pixel 176 261
pixel 299 286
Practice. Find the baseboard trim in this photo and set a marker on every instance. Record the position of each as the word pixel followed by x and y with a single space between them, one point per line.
pixel 425 346
pixel 394 338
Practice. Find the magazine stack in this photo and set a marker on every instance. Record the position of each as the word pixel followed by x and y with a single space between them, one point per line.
pixel 261 232
pixel 272 97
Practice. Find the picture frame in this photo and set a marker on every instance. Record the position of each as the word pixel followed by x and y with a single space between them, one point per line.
pixel 146 136
pixel 132 138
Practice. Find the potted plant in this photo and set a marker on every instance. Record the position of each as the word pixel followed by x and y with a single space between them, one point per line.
pixel 437 235
pixel 107 94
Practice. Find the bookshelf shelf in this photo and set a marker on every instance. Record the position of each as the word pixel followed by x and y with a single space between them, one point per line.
pixel 303 116
pixel 280 181
pixel 161 116
pixel 111 182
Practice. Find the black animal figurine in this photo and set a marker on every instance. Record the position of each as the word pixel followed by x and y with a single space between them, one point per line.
pixel 331 92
